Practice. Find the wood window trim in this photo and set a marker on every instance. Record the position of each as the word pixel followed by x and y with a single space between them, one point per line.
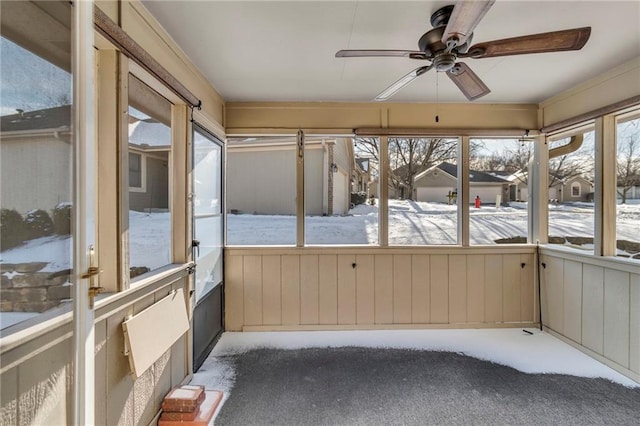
pixel 125 44
pixel 591 115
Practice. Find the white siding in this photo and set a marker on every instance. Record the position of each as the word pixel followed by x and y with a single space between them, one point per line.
pixel 35 173
pixel 340 193
pixel 262 182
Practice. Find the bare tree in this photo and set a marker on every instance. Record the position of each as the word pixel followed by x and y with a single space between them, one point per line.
pixel 628 164
pixel 408 157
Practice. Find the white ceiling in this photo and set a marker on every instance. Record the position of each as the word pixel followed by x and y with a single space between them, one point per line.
pixel 284 50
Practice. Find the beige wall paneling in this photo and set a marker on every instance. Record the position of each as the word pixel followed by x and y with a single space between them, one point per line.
pixel 634 324
pixel 572 299
pixel 593 308
pixel 616 316
pixel 613 86
pixel 511 291
pixel 181 351
pixel 162 367
pixel 119 380
pixel 290 289
pixel 493 288
pixel 346 289
pixel 234 293
pixel 110 8
pixel 439 294
pixel 309 294
pixel 420 289
pixel 328 289
pixel 457 288
pixel 402 294
pixel 383 289
pixel 365 289
pixel 555 294
pixel 271 291
pixel 44 396
pixel 528 292
pixel 475 288
pixel 101 390
pixel 142 392
pixel 9 397
pixel 252 273
pixel 242 117
pixel 179 360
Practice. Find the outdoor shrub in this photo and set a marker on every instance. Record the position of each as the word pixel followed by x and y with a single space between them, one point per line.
pixel 12 229
pixel 62 219
pixel 358 198
pixel 38 224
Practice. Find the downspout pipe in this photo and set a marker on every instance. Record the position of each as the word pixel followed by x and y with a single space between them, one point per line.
pixel 574 144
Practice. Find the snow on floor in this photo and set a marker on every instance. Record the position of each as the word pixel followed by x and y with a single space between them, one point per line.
pixel 536 353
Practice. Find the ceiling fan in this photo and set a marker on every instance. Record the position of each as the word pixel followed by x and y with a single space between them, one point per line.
pixel 450 39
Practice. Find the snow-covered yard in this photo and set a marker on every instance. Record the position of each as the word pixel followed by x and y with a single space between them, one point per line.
pixel 422 223
pixel 410 223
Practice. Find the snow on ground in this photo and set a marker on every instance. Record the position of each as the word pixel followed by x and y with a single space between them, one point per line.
pixel 536 353
pixel 410 223
pixel 420 223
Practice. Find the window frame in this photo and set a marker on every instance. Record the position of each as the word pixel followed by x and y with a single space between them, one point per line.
pixel 142 171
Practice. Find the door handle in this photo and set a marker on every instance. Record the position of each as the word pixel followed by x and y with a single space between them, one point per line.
pixel 195 244
pixel 92 272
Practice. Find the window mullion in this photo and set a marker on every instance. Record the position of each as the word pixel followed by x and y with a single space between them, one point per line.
pixel 463 191
pixel 383 190
pixel 605 187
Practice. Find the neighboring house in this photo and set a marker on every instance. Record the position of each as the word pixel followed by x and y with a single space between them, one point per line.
pixel 36 159
pixel 149 151
pixel 575 188
pixel 633 192
pixel 437 183
pixel 254 168
pixel 361 178
pixel 518 188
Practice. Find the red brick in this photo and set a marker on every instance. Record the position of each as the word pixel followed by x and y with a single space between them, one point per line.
pixel 183 399
pixel 205 414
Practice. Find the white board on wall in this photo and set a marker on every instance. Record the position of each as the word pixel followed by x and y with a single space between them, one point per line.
pixel 151 333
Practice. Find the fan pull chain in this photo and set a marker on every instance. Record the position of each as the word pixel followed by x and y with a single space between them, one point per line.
pixel 437 98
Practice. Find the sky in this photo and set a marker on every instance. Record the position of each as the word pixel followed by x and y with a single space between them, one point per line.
pixel 29 82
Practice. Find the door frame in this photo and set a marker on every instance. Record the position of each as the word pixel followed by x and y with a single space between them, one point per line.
pixel 84 226
pixel 198 359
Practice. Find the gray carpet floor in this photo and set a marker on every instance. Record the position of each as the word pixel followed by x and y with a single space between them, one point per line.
pixel 360 386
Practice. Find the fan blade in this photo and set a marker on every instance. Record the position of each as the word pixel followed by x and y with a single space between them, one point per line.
pixel 413 54
pixel 465 17
pixel 389 91
pixel 467 81
pixel 556 41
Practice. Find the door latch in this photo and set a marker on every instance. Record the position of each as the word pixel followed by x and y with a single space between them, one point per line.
pixel 92 272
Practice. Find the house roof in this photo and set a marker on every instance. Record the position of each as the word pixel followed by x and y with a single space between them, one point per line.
pixel 49 118
pixel 363 163
pixel 474 175
pixel 149 133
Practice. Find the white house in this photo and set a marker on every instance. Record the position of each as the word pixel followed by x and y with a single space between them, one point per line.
pixel 438 183
pixel 258 165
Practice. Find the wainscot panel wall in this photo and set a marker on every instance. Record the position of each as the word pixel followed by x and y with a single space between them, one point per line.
pixel 593 304
pixel 366 288
pixel 35 372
